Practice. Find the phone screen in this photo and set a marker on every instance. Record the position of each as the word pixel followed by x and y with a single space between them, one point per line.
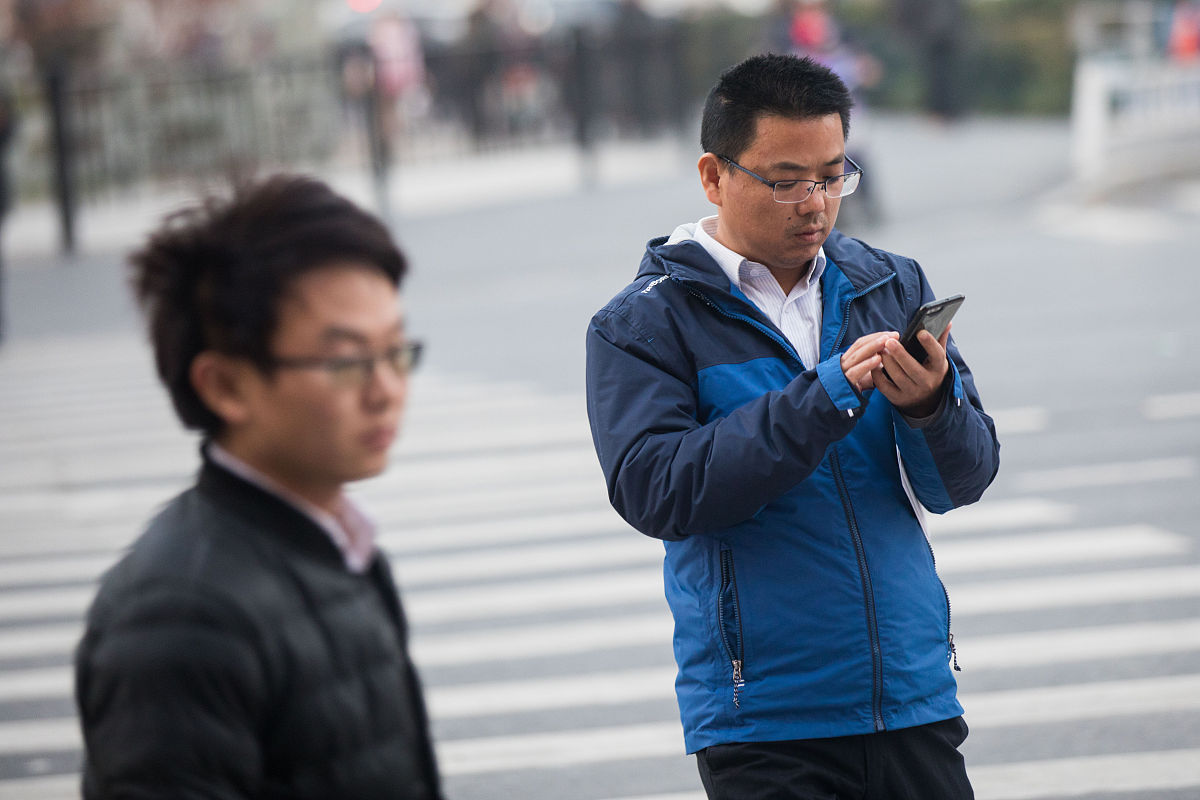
pixel 932 317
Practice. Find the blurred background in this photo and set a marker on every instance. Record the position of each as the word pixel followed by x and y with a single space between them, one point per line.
pixel 1040 156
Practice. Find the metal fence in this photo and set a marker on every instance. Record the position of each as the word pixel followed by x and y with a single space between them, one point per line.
pixel 170 123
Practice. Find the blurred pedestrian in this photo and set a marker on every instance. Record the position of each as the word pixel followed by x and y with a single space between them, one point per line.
pixel 937 28
pixel 399 61
pixel 814 32
pixel 251 644
pixel 751 405
pixel 632 43
pixel 8 128
pixel 1183 43
pixel 483 59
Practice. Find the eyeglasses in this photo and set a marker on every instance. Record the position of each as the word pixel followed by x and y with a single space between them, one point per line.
pixel 797 191
pixel 355 371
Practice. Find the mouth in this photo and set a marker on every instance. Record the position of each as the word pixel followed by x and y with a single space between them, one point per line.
pixel 379 439
pixel 810 236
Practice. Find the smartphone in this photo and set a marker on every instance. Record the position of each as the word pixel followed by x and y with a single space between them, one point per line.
pixel 933 317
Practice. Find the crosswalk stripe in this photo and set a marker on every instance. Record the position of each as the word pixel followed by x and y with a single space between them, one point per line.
pixel 994 515
pixel 495 600
pixel 565 494
pixel 517 561
pixel 1029 419
pixel 35 539
pixel 1050 704
pixel 619 743
pixel 984 652
pixel 52 787
pixel 50 570
pixel 24 604
pixel 36 684
pixel 528 435
pixel 401 535
pixel 42 640
pixel 533 641
pixel 1099 700
pixel 39 736
pixel 1171 406
pixel 511 563
pixel 435 535
pixel 980 653
pixel 541 694
pixel 1062 591
pixel 644 586
pixel 1075 777
pixel 560 748
pixel 468 472
pixel 1079 644
pixel 1067 777
pixel 1116 474
pixel 1080 546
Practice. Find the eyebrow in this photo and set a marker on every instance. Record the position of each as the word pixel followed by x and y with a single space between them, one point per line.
pixel 336 334
pixel 791 165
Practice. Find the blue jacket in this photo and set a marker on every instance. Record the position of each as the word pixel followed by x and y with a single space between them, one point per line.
pixel 804 591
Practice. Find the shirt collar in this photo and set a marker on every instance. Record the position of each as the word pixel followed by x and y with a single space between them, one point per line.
pixel 736 266
pixel 351 530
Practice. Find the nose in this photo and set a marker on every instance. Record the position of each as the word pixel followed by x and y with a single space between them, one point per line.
pixel 817 200
pixel 385 387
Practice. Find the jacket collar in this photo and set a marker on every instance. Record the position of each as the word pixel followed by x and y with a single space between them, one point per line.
pixel 688 261
pixel 265 512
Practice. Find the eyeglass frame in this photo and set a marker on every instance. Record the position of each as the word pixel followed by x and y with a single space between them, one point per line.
pixel 812 184
pixel 364 365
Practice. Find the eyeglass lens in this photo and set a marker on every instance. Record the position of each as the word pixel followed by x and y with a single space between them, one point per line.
pixel 799 191
pixel 358 371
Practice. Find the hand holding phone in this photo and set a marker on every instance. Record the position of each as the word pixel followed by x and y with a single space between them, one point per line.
pixel 933 317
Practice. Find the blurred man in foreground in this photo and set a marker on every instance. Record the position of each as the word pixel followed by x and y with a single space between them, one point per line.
pixel 252 643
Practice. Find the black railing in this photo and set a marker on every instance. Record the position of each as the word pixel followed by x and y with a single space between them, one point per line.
pixel 168 123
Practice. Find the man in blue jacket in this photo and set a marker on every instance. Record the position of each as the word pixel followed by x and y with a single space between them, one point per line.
pixel 751 405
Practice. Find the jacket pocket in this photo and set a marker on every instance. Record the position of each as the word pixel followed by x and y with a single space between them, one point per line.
pixel 729 621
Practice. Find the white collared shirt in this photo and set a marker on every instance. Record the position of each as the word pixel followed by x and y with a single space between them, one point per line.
pixel 797 314
pixel 351 530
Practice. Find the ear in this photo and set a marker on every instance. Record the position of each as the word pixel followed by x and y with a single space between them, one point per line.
pixel 224 384
pixel 710 177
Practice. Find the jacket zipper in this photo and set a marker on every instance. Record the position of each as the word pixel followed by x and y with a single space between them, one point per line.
pixel 868 594
pixel 734 650
pixel 951 651
pixel 856 538
pixel 846 310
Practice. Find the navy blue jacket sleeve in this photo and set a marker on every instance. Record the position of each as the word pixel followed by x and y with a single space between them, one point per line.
pixel 953 459
pixel 669 475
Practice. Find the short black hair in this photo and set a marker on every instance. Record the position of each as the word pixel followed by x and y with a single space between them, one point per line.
pixel 786 86
pixel 212 276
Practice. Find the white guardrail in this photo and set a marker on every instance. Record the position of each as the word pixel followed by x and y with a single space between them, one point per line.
pixel 1132 120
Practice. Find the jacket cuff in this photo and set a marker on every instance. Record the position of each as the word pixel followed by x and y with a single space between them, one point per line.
pixel 844 396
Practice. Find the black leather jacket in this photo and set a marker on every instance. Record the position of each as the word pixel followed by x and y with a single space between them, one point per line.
pixel 231 654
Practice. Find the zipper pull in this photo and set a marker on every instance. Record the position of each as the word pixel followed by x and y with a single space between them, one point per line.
pixel 738 683
pixel 954 654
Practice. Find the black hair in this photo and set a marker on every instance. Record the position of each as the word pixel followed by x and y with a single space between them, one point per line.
pixel 786 86
pixel 212 276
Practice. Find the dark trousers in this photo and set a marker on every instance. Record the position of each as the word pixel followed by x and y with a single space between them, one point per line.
pixel 921 763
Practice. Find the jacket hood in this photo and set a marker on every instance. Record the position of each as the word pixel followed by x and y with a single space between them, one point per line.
pixel 681 257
